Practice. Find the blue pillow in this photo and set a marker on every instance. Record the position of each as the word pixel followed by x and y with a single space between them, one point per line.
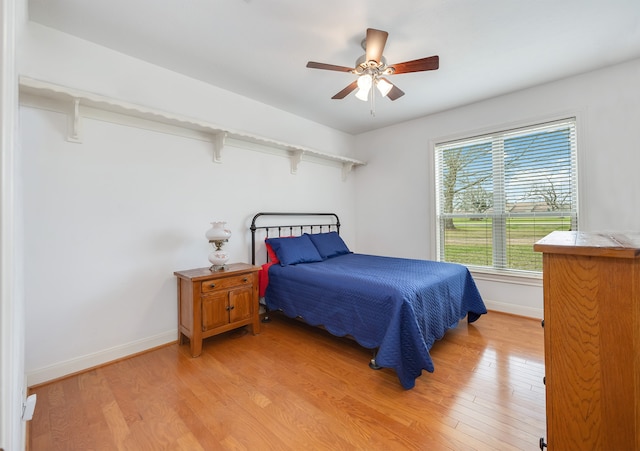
pixel 329 244
pixel 291 251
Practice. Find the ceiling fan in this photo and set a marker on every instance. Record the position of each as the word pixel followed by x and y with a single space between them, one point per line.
pixel 372 68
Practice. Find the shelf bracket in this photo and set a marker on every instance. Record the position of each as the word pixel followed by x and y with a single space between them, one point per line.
pixel 218 145
pixel 73 134
pixel 347 166
pixel 296 158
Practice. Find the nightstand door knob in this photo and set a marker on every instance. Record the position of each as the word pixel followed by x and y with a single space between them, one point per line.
pixel 213 285
pixel 245 280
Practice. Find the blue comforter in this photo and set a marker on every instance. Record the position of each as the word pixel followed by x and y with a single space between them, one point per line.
pixel 400 306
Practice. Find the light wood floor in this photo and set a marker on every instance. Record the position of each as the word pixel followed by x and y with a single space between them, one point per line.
pixel 297 387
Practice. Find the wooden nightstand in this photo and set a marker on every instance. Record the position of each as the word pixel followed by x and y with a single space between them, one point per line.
pixel 212 302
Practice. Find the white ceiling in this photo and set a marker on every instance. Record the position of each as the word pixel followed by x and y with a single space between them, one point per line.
pixel 259 48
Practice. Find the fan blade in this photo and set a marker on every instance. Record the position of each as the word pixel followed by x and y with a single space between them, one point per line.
pixel 346 91
pixel 375 42
pixel 314 65
pixel 429 63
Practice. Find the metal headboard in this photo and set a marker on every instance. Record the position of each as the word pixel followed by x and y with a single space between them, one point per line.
pixel 332 223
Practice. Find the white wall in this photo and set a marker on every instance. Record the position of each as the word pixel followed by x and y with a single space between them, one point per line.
pixel 108 220
pixel 395 189
pixel 12 378
pixel 11 312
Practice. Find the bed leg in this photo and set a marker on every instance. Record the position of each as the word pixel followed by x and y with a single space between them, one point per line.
pixel 372 363
pixel 266 318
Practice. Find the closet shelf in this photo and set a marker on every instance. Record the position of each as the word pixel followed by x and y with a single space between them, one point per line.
pixel 220 136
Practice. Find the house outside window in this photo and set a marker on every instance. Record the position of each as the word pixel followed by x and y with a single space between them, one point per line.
pixel 499 193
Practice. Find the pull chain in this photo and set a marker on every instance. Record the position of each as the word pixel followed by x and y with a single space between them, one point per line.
pixel 373 101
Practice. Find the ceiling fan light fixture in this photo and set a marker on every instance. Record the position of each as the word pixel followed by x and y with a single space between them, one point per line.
pixel 363 94
pixel 364 84
pixel 365 81
pixel 383 86
pixel 371 68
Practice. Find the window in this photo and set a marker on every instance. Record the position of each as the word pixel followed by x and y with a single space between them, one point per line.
pixel 498 194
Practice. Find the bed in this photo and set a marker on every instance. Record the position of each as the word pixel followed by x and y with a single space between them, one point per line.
pixel 397 307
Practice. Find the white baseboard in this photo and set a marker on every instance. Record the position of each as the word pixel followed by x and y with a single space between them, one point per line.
pixel 72 366
pixel 514 309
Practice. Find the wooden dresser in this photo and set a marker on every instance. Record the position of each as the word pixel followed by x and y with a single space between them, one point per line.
pixel 212 302
pixel 592 340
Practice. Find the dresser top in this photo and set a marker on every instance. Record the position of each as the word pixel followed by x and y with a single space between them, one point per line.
pixel 206 273
pixel 601 244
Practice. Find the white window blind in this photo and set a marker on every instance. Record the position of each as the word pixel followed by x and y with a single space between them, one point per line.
pixel 497 194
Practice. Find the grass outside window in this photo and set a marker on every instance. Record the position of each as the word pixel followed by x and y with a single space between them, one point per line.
pixel 470 241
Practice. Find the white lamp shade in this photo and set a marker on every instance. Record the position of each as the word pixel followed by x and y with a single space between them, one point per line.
pixel 364 85
pixel 364 82
pixel 363 94
pixel 218 231
pixel 383 86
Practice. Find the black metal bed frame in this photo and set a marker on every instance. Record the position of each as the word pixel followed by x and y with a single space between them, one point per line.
pixel 289 229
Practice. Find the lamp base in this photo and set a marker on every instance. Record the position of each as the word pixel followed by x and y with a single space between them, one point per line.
pixel 218 260
pixel 214 268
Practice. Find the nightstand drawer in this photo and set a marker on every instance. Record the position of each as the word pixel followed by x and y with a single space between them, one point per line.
pixel 226 282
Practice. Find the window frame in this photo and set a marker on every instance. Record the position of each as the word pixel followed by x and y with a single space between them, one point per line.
pixel 491 273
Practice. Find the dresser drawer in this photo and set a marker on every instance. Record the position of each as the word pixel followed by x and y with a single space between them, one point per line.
pixel 226 282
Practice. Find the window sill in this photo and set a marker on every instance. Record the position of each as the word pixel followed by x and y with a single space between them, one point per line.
pixel 524 278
